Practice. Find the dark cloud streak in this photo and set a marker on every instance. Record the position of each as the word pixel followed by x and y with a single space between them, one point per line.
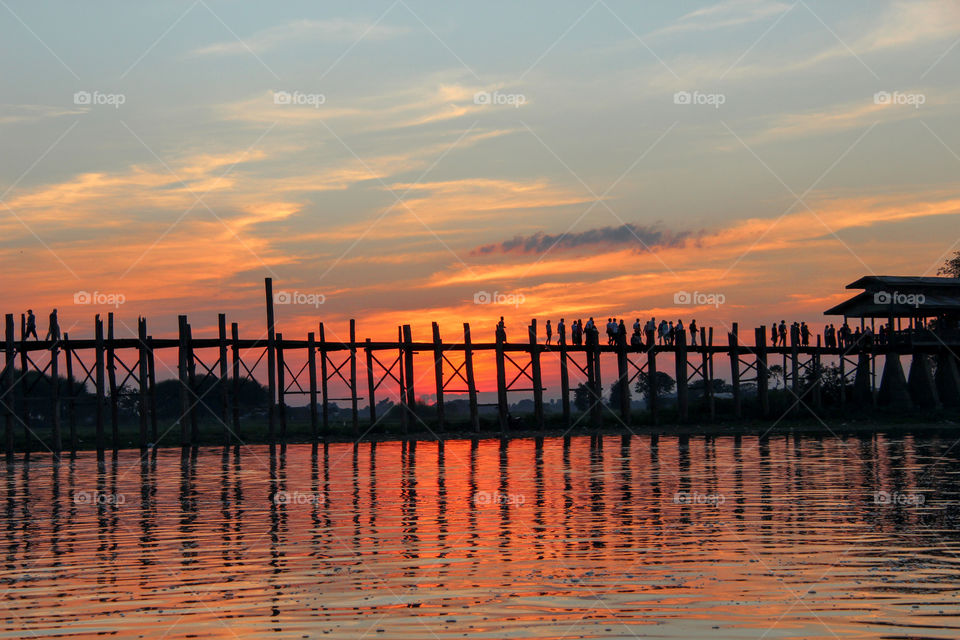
pixel 653 236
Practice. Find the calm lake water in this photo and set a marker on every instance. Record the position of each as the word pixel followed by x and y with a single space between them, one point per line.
pixel 583 538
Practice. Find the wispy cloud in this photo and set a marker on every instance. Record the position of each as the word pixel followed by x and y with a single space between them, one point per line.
pixel 732 13
pixel 339 30
pixel 20 113
pixel 643 237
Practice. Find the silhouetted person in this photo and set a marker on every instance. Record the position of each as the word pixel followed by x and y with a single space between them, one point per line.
pixel 576 333
pixel 31 326
pixel 773 334
pixel 502 330
pixel 53 330
pixel 549 332
pixel 651 331
pixel 621 334
pixel 804 334
pixel 783 333
pixel 693 332
pixel 561 332
pixel 677 330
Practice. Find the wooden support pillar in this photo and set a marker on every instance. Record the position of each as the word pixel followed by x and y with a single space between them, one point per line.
pixel 100 382
pixel 112 379
pixel 535 374
pixel 817 391
pixel 223 383
pixel 471 380
pixel 408 367
pixel 57 444
pixel 795 375
pixel 402 377
pixel 281 388
pixel 623 378
pixel 24 385
pixel 843 374
pixel 143 378
pixel 564 378
pixel 371 385
pixel 710 393
pixel 152 376
pixel 194 391
pixel 705 370
pixel 438 374
pixel 325 406
pixel 183 378
pixel 9 363
pixel 763 373
pixel 734 340
pixel 72 391
pixel 235 361
pixel 680 354
pixel 502 408
pixel 312 372
pixel 597 388
pixel 652 383
pixel 271 361
pixel 353 377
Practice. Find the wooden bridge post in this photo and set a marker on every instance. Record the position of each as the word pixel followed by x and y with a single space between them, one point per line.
pixel 652 383
pixel 152 377
pixel 72 390
pixel 817 375
pixel 24 385
pixel 843 374
pixel 623 377
pixel 471 380
pixel 100 381
pixel 281 388
pixel 371 385
pixel 112 379
pixel 438 374
pixel 312 368
pixel 194 390
pixel 223 382
pixel 502 408
pixel 705 369
pixel 408 368
pixel 402 377
pixel 680 354
pixel 9 363
pixel 710 394
pixel 143 377
pixel 734 340
pixel 597 390
pixel 763 374
pixel 535 374
pixel 795 374
pixel 183 377
pixel 271 360
pixel 353 377
pixel 55 398
pixel 325 406
pixel 235 361
pixel 564 377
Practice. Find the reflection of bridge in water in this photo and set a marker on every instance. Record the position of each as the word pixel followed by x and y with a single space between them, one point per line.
pixel 317 368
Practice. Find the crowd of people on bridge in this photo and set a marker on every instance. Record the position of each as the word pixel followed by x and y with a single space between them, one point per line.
pixel 644 334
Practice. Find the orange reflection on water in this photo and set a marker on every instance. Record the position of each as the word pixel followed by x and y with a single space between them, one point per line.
pixel 583 537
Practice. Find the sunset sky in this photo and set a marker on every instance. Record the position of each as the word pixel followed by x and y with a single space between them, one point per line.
pixel 432 151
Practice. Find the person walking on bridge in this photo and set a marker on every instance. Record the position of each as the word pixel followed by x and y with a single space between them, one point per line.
pixel 549 332
pixel 53 329
pixel 31 326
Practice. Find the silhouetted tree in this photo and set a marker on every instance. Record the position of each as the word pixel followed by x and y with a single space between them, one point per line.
pixel 664 384
pixel 951 267
pixel 582 397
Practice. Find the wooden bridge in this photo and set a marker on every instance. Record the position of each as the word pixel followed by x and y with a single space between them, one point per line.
pixel 220 364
